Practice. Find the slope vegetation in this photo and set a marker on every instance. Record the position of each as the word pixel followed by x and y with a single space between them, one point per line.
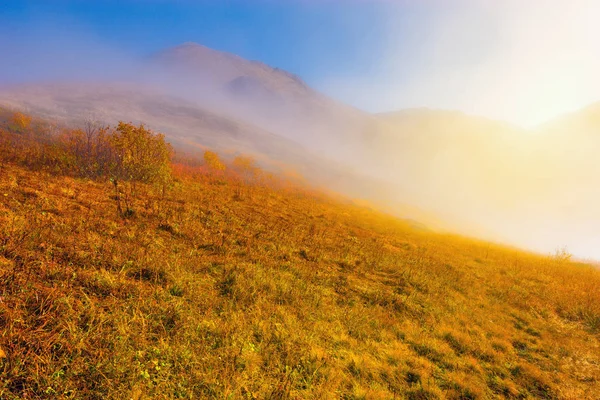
pixel 228 286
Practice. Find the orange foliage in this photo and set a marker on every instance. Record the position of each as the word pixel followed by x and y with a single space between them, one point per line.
pixel 213 161
pixel 20 122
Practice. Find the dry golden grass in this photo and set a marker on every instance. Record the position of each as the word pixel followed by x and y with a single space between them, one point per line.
pixel 228 291
pixel 242 286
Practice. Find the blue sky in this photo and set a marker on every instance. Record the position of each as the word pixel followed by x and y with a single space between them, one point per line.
pixel 521 61
pixel 309 38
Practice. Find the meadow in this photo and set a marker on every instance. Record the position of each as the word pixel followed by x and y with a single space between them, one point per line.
pixel 214 279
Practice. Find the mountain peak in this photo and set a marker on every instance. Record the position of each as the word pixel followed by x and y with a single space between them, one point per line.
pixel 190 44
pixel 195 57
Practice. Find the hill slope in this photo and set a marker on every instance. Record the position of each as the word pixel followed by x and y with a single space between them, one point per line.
pixel 188 126
pixel 220 290
pixel 184 121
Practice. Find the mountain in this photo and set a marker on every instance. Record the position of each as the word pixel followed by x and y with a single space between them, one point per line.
pixel 268 97
pixel 220 69
pixel 229 103
pixel 127 276
pixel 202 97
pixel 482 177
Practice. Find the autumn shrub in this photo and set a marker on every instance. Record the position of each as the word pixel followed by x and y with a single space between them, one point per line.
pixel 140 154
pixel 246 167
pixel 90 151
pixel 137 155
pixel 213 161
pixel 19 122
pixel 123 155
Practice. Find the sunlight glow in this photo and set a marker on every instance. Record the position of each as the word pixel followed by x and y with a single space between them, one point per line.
pixel 520 61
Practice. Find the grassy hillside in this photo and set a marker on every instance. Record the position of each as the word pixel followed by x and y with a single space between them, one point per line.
pixel 225 289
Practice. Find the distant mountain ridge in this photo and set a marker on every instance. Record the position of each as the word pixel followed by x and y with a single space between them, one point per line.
pixel 225 67
pixel 485 173
pixel 269 97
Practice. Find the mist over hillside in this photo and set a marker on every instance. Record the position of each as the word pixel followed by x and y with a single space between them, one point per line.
pixel 274 99
pixel 533 188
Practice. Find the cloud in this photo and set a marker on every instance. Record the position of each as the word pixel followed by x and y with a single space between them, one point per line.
pixel 525 62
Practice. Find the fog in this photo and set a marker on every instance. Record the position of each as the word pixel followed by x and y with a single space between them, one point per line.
pixel 520 61
pixel 535 188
